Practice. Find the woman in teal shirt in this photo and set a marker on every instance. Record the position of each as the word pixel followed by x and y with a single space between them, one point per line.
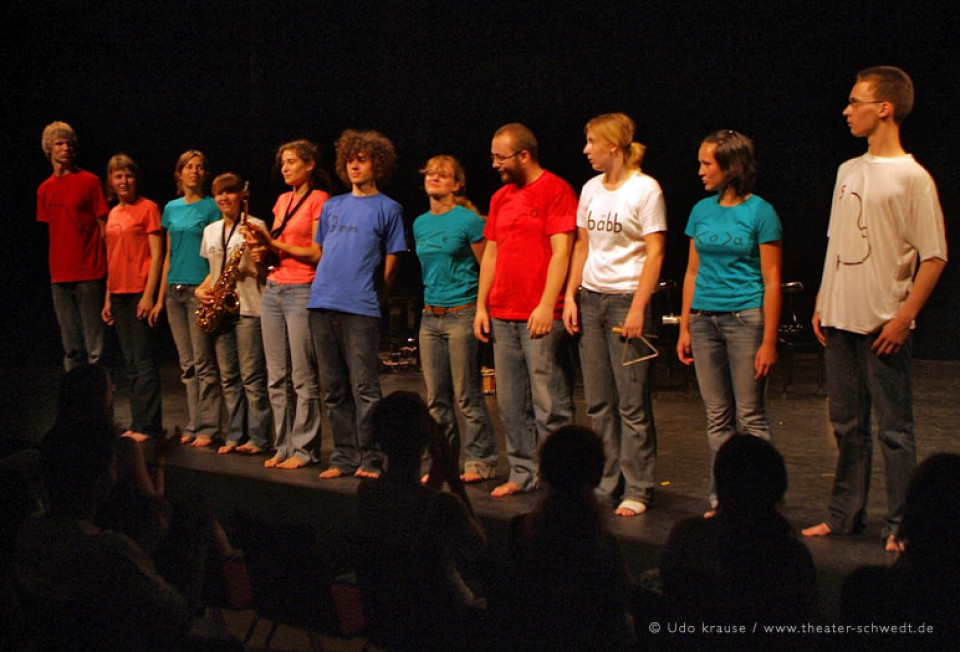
pixel 449 241
pixel 184 220
pixel 731 294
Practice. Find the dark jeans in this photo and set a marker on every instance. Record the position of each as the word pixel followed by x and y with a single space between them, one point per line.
pixel 347 355
pixel 858 382
pixel 139 352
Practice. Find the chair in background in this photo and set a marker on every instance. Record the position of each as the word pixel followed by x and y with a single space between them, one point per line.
pixel 794 334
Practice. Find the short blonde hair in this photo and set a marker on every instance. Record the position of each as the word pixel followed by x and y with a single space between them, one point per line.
pixel 617 129
pixel 55 131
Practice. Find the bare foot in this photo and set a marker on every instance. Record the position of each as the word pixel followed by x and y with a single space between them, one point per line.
pixel 370 475
pixel 186 439
pixel 424 478
pixel 630 508
pixel 272 462
pixel 506 489
pixel 331 474
pixel 470 477
pixel 818 530
pixel 227 448
pixel 138 437
pixel 710 513
pixel 291 463
pixel 249 449
pixel 201 442
pixel 893 544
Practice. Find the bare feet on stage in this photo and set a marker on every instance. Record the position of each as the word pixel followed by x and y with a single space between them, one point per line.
pixel 272 462
pixel 893 544
pixel 201 442
pixel 710 513
pixel 506 489
pixel 291 463
pixel 630 508
pixel 138 437
pixel 369 475
pixel 249 449
pixel 227 448
pixel 818 530
pixel 332 474
pixel 186 438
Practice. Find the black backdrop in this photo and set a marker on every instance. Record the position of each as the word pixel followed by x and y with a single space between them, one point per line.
pixel 236 79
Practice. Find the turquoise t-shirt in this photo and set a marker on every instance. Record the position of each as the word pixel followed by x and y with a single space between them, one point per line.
pixel 450 270
pixel 728 240
pixel 185 224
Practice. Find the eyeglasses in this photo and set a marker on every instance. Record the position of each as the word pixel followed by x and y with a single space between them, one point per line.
pixel 499 158
pixel 854 102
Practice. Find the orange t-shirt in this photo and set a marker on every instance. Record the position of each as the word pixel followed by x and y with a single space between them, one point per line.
pixel 128 247
pixel 298 232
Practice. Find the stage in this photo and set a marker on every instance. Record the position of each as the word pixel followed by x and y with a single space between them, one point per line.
pixel 240 485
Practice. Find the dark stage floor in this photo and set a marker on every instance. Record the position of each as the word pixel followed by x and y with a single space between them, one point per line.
pixel 241 484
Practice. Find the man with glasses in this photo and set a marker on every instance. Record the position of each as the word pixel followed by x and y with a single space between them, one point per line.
pixel 885 217
pixel 529 236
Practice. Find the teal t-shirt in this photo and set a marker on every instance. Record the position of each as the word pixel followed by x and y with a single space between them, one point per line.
pixel 728 240
pixel 185 224
pixel 450 270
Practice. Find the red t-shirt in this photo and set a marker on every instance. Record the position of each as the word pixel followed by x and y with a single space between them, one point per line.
pixel 521 221
pixel 72 206
pixel 128 247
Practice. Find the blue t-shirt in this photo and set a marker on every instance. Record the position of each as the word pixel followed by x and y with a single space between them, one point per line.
pixel 450 270
pixel 185 224
pixel 355 233
pixel 728 240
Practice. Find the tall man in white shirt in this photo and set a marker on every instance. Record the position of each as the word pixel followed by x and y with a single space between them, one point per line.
pixel 885 217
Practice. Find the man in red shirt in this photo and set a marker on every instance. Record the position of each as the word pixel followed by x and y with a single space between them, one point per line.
pixel 72 205
pixel 529 236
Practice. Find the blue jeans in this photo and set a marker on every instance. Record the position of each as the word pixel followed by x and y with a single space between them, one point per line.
pixel 451 369
pixel 533 394
pixel 347 351
pixel 243 379
pixel 139 353
pixel 198 363
pixel 618 398
pixel 77 306
pixel 858 380
pixel 724 349
pixel 291 370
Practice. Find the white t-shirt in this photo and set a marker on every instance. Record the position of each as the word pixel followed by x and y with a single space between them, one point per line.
pixel 617 221
pixel 885 217
pixel 248 284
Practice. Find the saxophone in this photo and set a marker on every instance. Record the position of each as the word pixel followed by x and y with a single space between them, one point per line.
pixel 225 300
